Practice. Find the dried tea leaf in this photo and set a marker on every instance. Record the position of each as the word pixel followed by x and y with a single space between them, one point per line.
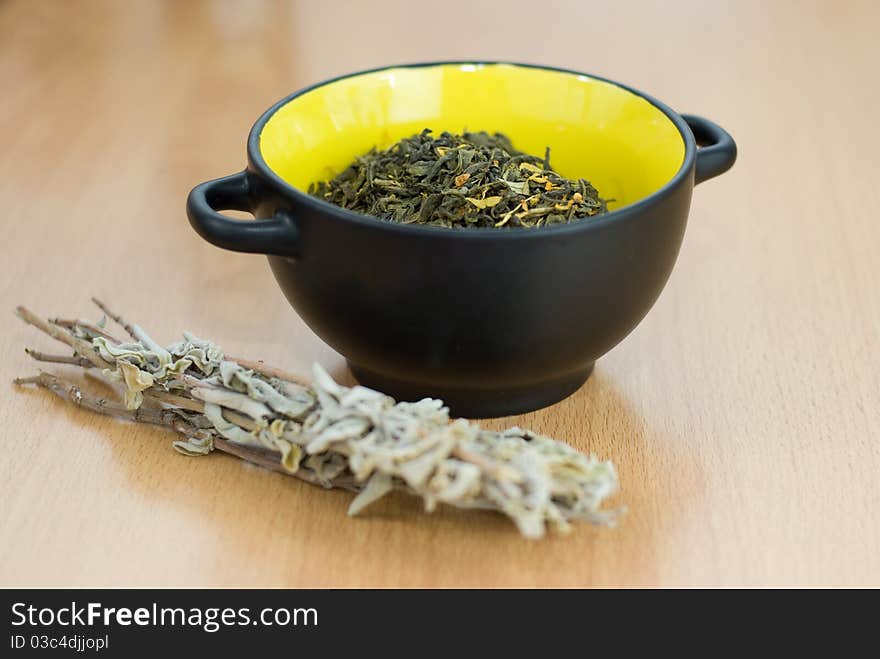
pixel 135 378
pixel 488 202
pixel 519 187
pixel 194 446
pixel 234 401
pixel 227 429
pixel 291 455
pixel 469 180
pixel 377 487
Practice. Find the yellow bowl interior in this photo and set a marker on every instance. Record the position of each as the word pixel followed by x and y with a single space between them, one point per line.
pixel 623 145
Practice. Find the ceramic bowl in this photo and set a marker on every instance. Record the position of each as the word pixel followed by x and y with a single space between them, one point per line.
pixel 494 321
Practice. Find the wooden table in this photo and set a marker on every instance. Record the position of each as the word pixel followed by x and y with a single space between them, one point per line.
pixel 742 414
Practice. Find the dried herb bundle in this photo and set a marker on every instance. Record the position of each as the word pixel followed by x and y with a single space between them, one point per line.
pixel 325 433
pixel 470 180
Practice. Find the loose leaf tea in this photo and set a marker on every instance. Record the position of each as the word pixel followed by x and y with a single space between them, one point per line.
pixel 469 180
pixel 326 433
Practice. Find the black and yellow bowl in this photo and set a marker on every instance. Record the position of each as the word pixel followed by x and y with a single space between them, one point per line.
pixel 494 321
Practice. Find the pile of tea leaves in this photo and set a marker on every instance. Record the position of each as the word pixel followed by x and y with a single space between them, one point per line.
pixel 468 180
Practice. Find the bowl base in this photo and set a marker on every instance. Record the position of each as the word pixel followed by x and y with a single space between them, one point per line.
pixel 477 403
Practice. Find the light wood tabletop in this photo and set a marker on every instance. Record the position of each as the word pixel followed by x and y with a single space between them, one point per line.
pixel 743 414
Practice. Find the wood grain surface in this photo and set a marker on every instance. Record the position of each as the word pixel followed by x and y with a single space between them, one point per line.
pixel 742 414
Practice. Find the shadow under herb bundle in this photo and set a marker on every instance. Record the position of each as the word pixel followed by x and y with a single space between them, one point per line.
pixel 468 180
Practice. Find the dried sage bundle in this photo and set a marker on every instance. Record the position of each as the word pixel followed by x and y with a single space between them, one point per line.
pixel 469 180
pixel 328 434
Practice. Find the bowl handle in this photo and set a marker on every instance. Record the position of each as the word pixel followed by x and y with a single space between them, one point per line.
pixel 716 150
pixel 277 235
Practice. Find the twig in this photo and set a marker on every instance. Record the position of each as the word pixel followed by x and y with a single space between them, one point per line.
pixel 72 393
pixel 269 460
pixel 84 348
pixel 199 407
pixel 59 359
pixel 178 401
pixel 69 323
pixel 116 318
pixel 269 371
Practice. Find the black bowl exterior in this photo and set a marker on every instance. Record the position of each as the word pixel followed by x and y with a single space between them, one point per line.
pixel 492 325
pixel 494 322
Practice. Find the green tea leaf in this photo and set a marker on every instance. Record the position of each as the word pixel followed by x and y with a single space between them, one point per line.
pixel 468 180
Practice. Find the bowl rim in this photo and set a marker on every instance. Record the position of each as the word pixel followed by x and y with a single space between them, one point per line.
pixel 258 163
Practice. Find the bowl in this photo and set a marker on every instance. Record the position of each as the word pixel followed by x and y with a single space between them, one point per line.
pixel 493 321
